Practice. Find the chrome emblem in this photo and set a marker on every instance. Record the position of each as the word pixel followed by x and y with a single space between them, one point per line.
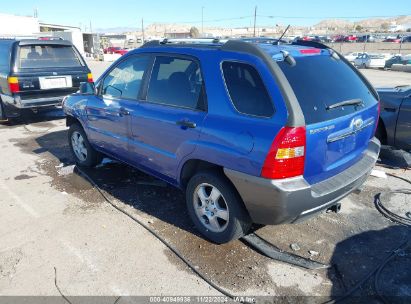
pixel 358 123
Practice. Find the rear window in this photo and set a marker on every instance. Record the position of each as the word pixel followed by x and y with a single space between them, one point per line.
pixel 48 56
pixel 321 81
pixel 247 90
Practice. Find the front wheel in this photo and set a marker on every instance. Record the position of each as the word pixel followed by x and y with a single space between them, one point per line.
pixel 3 117
pixel 216 208
pixel 83 153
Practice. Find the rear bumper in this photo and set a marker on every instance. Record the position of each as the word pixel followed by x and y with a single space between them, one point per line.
pixel 14 104
pixel 19 103
pixel 271 202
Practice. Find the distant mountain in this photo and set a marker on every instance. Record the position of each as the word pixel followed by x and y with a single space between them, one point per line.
pixel 334 23
pixel 367 23
pixel 377 22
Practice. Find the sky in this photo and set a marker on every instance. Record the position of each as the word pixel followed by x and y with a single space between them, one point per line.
pixel 105 14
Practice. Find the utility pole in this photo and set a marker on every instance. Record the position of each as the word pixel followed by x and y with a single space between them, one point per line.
pixel 255 18
pixel 142 30
pixel 399 51
pixel 91 29
pixel 202 21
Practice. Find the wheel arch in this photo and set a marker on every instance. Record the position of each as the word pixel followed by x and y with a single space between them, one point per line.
pixel 382 128
pixel 71 120
pixel 192 166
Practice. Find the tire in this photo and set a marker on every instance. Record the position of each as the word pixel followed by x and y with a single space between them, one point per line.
pixel 220 203
pixel 3 117
pixel 83 153
pixel 381 134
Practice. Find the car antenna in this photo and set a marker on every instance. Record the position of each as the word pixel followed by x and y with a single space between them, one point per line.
pixel 282 35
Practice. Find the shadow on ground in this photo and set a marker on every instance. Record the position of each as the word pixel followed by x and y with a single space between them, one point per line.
pixel 354 242
pixel 356 257
pixel 233 265
pixel 29 117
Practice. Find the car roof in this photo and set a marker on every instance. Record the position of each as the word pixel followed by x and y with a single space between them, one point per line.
pixel 235 46
pixel 37 41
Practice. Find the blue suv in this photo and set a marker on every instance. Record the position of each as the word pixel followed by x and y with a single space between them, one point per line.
pixel 253 133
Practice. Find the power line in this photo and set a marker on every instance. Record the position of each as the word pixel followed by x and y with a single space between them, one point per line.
pixel 205 21
pixel 329 17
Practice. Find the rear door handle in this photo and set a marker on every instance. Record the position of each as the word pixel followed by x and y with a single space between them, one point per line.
pixel 123 112
pixel 186 124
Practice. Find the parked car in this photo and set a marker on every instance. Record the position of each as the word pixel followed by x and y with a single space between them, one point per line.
pixel 406 39
pixel 115 50
pixel 324 39
pixel 366 61
pixel 394 128
pixel 338 38
pixel 392 40
pixel 397 59
pixel 253 133
pixel 38 73
pixel 366 38
pixel 352 56
pixel 350 38
pixel 310 38
pixel 266 40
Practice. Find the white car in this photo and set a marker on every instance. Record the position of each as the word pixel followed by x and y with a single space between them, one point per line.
pixel 370 61
pixel 352 56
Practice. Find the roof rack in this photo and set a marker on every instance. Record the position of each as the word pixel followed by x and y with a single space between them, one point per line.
pixel 184 41
pixel 191 41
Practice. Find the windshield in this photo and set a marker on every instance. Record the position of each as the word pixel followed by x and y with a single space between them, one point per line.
pixel 321 81
pixel 48 56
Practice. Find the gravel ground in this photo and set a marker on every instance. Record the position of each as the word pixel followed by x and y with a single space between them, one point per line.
pixel 52 217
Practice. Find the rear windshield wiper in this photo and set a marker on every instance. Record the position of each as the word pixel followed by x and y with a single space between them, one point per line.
pixel 351 102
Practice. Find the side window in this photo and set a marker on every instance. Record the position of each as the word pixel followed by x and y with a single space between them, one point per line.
pixel 4 55
pixel 247 90
pixel 124 81
pixel 176 82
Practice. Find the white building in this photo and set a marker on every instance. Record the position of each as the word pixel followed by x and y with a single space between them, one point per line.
pixel 11 25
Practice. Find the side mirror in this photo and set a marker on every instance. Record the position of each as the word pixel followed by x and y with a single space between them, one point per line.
pixel 87 88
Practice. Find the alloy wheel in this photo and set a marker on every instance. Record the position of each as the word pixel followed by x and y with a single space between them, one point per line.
pixel 79 146
pixel 210 207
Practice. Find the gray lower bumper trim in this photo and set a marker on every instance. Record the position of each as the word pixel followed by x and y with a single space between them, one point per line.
pixel 40 102
pixel 289 200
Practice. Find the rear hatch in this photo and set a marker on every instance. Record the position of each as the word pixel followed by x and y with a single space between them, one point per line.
pixel 336 134
pixel 49 70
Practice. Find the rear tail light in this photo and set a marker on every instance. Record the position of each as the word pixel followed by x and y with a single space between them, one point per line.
pixel 287 154
pixel 89 77
pixel 13 84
